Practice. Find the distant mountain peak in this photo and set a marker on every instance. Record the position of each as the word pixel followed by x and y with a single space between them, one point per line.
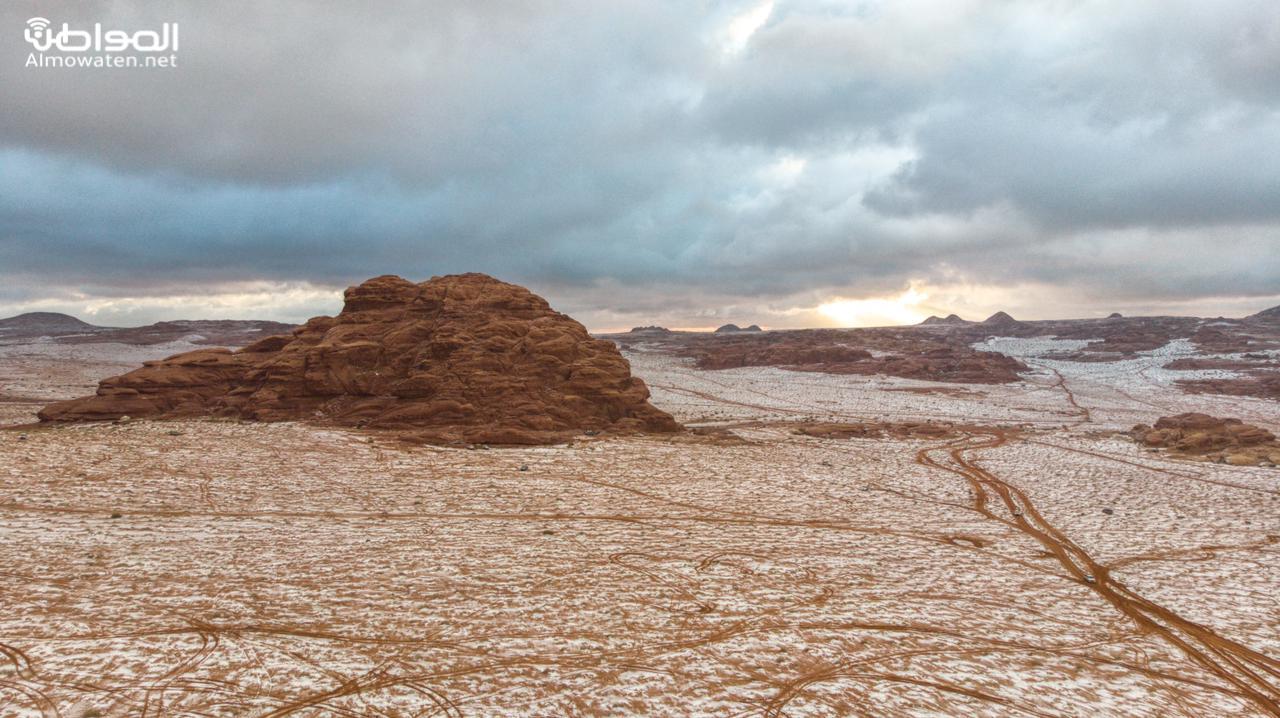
pixel 1000 318
pixel 951 319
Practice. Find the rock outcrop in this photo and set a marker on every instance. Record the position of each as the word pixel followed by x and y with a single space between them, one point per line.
pixel 1196 435
pixel 461 358
pixel 732 328
pixel 1260 384
pixel 787 354
pixel 906 352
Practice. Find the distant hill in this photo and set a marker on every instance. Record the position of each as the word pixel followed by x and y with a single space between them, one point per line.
pixel 950 320
pixel 44 324
pixel 67 329
pixel 1266 315
pixel 1000 319
pixel 727 328
pixel 212 332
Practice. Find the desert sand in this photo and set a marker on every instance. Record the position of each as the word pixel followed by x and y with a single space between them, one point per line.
pixel 974 549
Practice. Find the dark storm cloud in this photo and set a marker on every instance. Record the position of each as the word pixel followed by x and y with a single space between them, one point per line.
pixel 597 150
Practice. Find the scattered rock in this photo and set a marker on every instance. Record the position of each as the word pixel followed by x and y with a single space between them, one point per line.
pixel 1260 385
pixel 117 515
pixel 875 430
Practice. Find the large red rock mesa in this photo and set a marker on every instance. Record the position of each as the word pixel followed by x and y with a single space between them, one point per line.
pixel 462 358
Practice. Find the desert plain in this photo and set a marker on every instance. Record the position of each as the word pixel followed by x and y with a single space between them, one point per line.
pixel 814 543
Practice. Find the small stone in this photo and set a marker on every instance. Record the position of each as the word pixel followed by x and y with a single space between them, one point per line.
pixel 22 437
pixel 1108 511
pixel 174 432
pixel 124 419
pixel 548 532
pixel 1242 460
pixel 117 515
pixel 524 467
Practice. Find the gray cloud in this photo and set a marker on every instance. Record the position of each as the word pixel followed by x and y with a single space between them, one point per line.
pixel 600 150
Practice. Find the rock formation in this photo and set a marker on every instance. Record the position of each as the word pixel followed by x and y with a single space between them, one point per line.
pixel 1260 384
pixel 730 328
pixel 904 352
pixel 653 329
pixel 1195 435
pixel 785 354
pixel 461 358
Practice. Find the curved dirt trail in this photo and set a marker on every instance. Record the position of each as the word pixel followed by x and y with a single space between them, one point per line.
pixel 1254 674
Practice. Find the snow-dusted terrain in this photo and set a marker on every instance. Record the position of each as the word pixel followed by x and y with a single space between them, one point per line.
pixel 1034 562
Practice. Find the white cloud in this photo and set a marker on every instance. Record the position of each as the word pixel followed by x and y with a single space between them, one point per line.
pixel 740 29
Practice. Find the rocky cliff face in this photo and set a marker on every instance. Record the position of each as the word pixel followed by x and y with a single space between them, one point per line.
pixel 462 358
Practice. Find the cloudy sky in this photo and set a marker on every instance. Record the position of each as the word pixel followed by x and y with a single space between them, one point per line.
pixel 686 163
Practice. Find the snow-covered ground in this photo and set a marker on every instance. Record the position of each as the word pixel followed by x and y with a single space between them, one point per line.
pixel 220 568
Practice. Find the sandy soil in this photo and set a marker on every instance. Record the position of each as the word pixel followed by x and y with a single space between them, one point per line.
pixel 1037 564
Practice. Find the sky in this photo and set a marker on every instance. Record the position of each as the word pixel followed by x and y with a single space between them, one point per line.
pixel 685 163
